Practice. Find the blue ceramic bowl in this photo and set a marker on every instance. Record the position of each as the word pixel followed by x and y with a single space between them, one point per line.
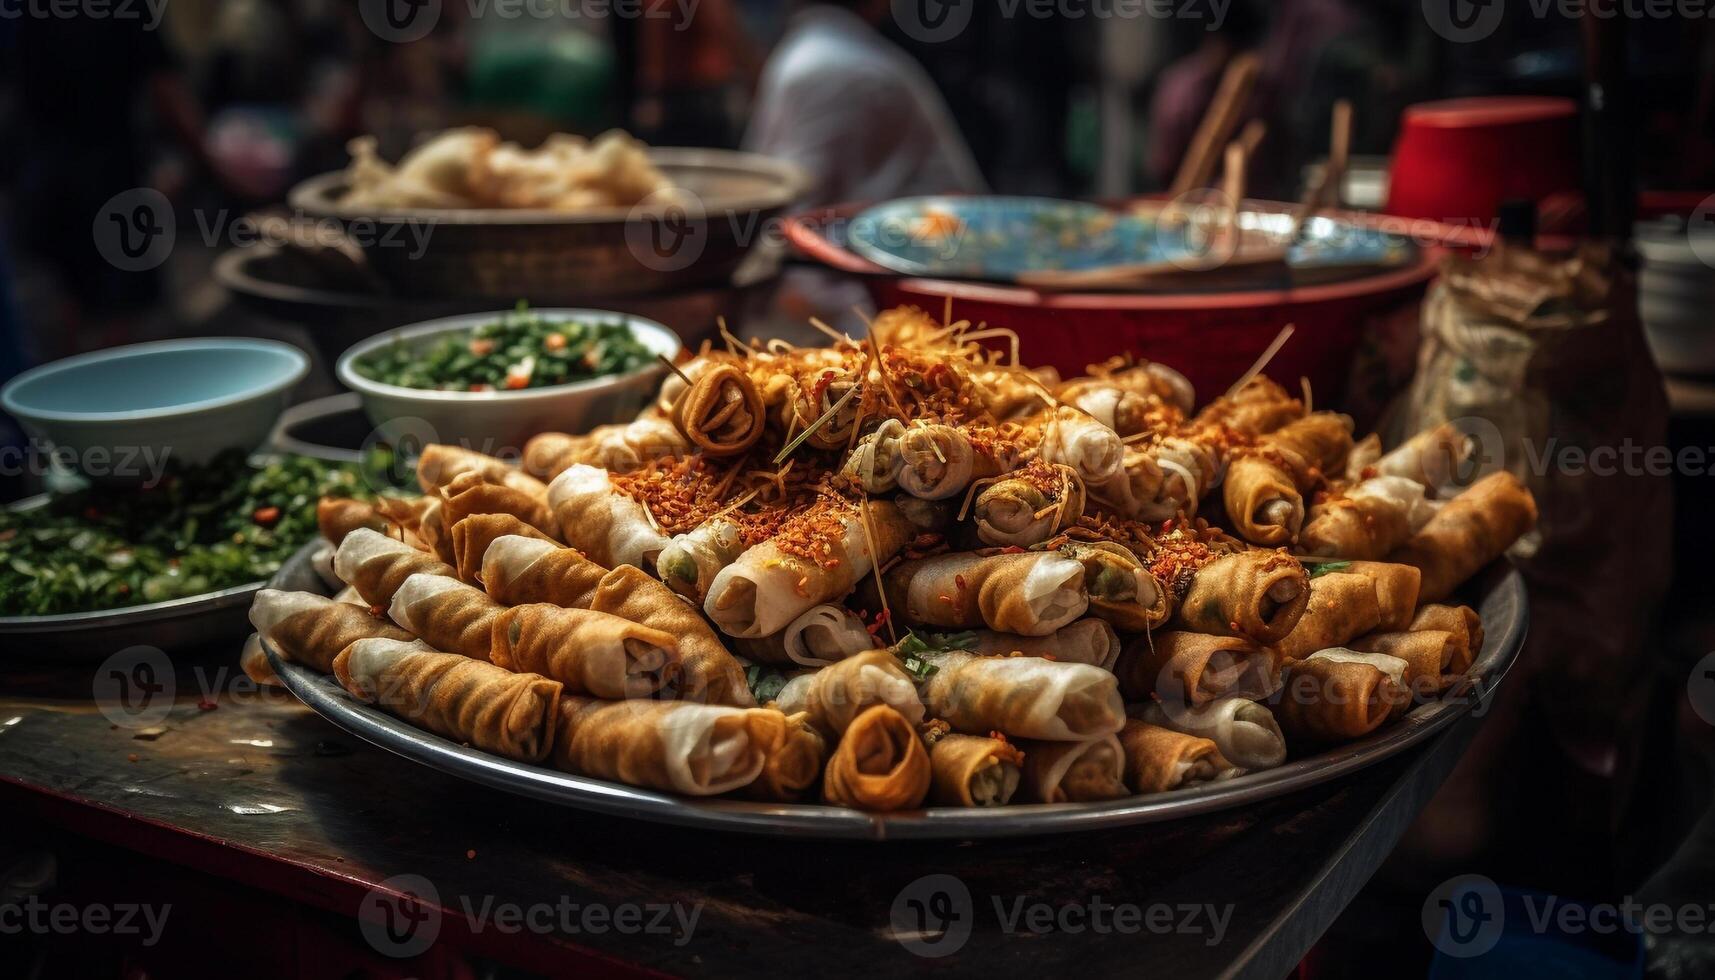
pixel 114 414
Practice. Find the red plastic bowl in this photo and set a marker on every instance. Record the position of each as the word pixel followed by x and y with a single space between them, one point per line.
pixel 1212 337
pixel 1458 160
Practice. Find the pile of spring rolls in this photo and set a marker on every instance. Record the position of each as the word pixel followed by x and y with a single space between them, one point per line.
pixel 908 571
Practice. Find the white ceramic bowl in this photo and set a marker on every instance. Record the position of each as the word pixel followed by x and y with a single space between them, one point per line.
pixel 115 413
pixel 499 422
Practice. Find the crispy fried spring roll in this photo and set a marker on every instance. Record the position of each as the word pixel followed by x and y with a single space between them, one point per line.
pixel 1079 441
pixel 721 411
pixel 1160 759
pixel 939 461
pixel 1468 532
pixel 695 749
pixel 489 707
pixel 1160 480
pixel 1338 695
pixel 590 652
pixel 417 518
pixel 1123 410
pixel 311 630
pixel 1256 594
pixel 1428 654
pixel 1195 668
pixel 1396 590
pixel 1264 489
pixel 1463 623
pixel 1029 593
pixel 440 465
pixel 880 764
pixel 826 634
pixel 1259 406
pixel 447 614
pixel 793 763
pixel 337 517
pixel 253 660
pixel 973 770
pixel 770 586
pixel 1433 458
pixel 1024 697
pixel 518 570
pixel 1342 606
pixel 1087 641
pixel 472 536
pixel 1153 379
pixel 1244 731
pixel 1122 591
pixel 469 494
pixel 1073 772
pixel 376 565
pixel 690 562
pixel 1367 521
pixel 615 448
pixel 598 520
pixel 1030 505
pixel 833 696
pixel 875 461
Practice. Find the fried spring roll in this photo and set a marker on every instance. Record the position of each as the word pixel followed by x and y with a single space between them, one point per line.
pixel 311 630
pixel 939 461
pixel 792 764
pixel 1368 521
pixel 1259 406
pixel 690 562
pixel 695 749
pixel 1244 731
pixel 1255 594
pixel 721 411
pixel 418 519
pixel 489 707
pixel 875 461
pixel 472 536
pixel 1462 623
pixel 1396 590
pixel 253 660
pixel 1160 759
pixel 1074 772
pixel 440 465
pixel 1121 590
pixel 1030 505
pixel 1160 480
pixel 769 586
pixel 1079 441
pixel 1264 489
pixel 824 635
pixel 1123 410
pixel 1338 695
pixel 1195 668
pixel 1024 697
pixel 1428 655
pixel 1029 593
pixel 1342 606
pixel 518 570
pixel 1468 532
pixel 616 448
pixel 973 770
pixel 880 764
pixel 590 652
pixel 1433 458
pixel 1088 641
pixel 337 517
pixel 598 520
pixel 446 613
pixel 469 494
pixel 376 565
pixel 833 696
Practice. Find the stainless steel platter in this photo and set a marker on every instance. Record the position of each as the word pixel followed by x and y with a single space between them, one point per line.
pixel 1498 594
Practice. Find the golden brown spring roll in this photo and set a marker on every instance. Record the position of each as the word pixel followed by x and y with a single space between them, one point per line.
pixel 1368 520
pixel 448 614
pixel 1434 457
pixel 253 660
pixel 1073 772
pixel 1088 641
pixel 1396 590
pixel 833 696
pixel 419 520
pixel 590 652
pixel 875 461
pixel 376 565
pixel 1342 606
pixel 1079 441
pixel 823 635
pixel 1123 410
pixel 440 465
pixel 1336 696
pixel 1160 479
pixel 1255 594
pixel 1030 505
pixel 1024 697
pixel 769 585
pixel 518 570
pixel 1259 406
pixel 469 494
pixel 721 411
pixel 817 393
pixel 1465 626
pixel 1029 593
pixel 695 749
pixel 973 770
pixel 1160 759
pixel 337 517
pixel 1265 487
pixel 1122 591
pixel 880 764
pixel 608 526
pixel 793 763
pixel 311 630
pixel 616 448
pixel 1195 668
pixel 1468 532
pixel 690 561
pixel 489 707
pixel 1428 655
pixel 1244 731
pixel 939 461
pixel 472 536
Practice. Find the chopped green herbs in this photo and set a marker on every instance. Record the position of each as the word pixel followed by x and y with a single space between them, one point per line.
pixel 913 651
pixel 522 349
pixel 765 682
pixel 1317 571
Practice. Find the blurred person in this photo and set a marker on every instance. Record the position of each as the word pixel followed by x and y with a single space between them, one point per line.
pixel 691 73
pixel 1187 86
pixel 856 112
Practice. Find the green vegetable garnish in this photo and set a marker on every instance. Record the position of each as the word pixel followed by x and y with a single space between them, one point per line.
pixel 912 650
pixel 1318 571
pixel 522 349
pixel 765 682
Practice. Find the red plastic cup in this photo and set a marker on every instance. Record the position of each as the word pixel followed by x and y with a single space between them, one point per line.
pixel 1457 160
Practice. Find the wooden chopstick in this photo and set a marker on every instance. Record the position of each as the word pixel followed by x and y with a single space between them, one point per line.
pixel 1216 128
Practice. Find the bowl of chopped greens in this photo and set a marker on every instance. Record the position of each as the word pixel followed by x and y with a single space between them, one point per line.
pixel 489 381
